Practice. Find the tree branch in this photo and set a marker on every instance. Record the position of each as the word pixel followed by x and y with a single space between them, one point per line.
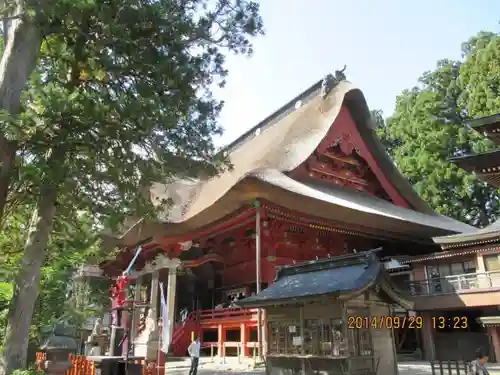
pixel 13 17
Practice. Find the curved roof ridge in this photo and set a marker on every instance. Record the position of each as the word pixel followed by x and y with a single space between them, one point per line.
pixel 287 140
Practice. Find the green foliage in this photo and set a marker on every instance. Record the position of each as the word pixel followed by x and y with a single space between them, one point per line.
pixel 29 371
pixel 72 244
pixel 480 77
pixel 122 98
pixel 6 292
pixel 427 128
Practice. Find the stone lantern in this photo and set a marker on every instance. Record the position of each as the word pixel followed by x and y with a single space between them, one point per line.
pixel 60 343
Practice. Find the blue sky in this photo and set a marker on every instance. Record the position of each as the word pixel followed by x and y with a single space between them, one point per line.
pixel 386 45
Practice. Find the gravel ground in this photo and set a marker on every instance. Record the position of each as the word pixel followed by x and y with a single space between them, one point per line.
pixel 205 371
pixel 208 367
pixel 215 368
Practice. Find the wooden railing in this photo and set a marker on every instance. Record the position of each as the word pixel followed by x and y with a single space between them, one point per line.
pixel 82 366
pixel 181 337
pixel 226 313
pixel 455 284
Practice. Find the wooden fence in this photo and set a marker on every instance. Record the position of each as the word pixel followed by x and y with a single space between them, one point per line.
pixel 82 366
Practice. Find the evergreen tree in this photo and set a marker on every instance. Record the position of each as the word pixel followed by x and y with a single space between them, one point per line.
pixel 428 128
pixel 121 98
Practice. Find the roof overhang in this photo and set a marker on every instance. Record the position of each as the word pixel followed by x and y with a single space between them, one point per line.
pixel 480 122
pixel 486 166
pixel 347 208
pixel 448 254
pixel 467 239
pixel 485 162
pixel 487 235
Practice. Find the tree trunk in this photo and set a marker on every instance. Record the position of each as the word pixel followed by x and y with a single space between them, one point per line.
pixel 27 284
pixel 7 163
pixel 22 42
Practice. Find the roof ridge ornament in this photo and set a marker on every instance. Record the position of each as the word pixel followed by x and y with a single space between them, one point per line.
pixel 332 80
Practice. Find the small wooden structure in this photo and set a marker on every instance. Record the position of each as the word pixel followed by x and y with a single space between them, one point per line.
pixel 332 316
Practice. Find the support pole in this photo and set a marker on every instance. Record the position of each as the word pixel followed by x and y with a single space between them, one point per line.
pixel 153 296
pixel 135 314
pixel 257 273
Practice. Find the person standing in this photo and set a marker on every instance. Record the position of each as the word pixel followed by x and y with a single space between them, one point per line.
pixel 478 366
pixel 194 353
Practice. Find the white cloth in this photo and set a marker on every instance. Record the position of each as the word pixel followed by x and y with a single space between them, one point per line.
pixel 194 349
pixel 95 351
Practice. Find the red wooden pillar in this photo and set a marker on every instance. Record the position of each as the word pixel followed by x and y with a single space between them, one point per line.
pixel 244 333
pixel 264 333
pixel 220 344
pixel 162 358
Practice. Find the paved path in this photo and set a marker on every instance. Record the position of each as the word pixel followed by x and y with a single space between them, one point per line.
pixel 233 367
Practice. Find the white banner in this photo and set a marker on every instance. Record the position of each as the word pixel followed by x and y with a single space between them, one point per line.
pixel 165 332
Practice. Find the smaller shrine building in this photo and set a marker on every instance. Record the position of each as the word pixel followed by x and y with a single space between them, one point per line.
pixel 332 316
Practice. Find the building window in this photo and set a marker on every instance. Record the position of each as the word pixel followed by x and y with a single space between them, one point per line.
pixel 451 269
pixel 492 262
pixel 470 266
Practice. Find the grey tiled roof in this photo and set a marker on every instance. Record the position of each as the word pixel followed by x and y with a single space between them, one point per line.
pixel 327 281
pixel 333 276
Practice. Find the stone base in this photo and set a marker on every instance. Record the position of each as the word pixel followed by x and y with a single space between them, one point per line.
pixel 56 367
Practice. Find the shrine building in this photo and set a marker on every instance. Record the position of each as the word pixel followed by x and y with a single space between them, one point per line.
pixel 311 181
pixel 458 287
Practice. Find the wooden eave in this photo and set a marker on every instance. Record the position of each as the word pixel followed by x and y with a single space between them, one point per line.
pixel 486 236
pixel 489 125
pixel 451 253
pixel 493 133
pixel 467 240
pixel 489 321
pixel 487 162
pixel 392 224
pixel 486 166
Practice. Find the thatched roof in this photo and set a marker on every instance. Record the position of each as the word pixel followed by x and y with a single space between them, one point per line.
pixel 263 156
